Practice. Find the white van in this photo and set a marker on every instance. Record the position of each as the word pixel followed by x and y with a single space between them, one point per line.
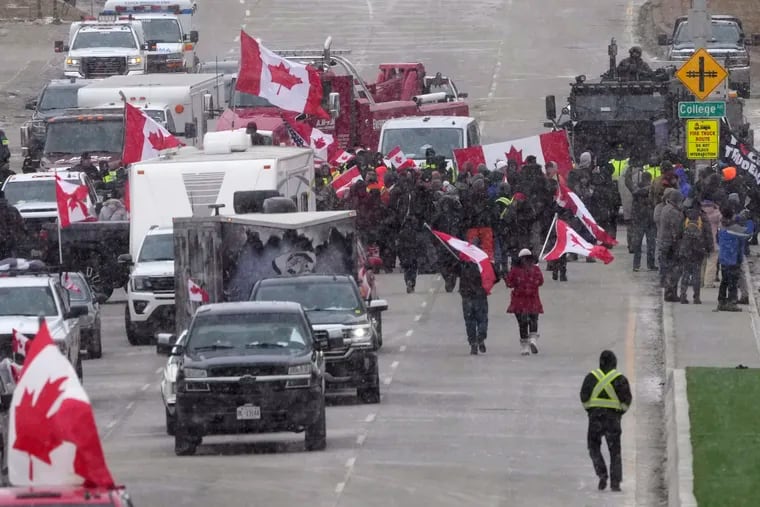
pixel 186 182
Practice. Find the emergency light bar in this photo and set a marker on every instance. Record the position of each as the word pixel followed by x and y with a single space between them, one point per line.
pixel 165 9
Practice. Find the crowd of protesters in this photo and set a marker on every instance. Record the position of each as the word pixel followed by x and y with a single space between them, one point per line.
pixel 694 229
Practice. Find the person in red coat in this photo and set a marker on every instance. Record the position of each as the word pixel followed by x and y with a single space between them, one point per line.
pixel 524 279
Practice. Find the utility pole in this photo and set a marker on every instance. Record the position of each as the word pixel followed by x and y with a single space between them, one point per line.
pixel 700 24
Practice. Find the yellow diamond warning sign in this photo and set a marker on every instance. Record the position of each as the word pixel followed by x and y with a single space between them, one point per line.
pixel 702 139
pixel 702 74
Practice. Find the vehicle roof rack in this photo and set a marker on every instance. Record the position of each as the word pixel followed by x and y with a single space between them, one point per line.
pixel 23 267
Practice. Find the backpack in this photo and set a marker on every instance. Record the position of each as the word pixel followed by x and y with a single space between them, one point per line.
pixel 693 238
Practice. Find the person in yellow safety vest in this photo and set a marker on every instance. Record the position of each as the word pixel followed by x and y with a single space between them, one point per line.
pixel 429 163
pixel 653 167
pixel 606 396
pixel 111 176
pixel 619 162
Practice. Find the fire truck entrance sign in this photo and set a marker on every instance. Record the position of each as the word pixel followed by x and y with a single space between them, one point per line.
pixel 702 139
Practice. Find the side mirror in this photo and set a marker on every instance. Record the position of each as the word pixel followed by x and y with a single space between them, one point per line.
pixel 551 107
pixel 378 305
pixel 333 104
pixel 31 104
pixel 76 312
pixel 549 124
pixel 177 350
pixel 194 36
pixel 58 46
pixel 191 131
pixel 463 95
pixel 125 259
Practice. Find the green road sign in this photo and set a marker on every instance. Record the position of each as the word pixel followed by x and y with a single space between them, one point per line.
pixel 701 109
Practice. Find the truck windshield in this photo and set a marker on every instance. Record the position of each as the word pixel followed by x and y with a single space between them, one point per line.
pixel 276 332
pixel 58 98
pixel 77 137
pixel 162 30
pixel 723 33
pixel 313 296
pixel 413 142
pixel 27 302
pixel 39 190
pixel 247 100
pixel 157 247
pixel 104 39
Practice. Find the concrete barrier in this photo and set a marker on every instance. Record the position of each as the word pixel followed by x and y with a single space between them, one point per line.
pixel 679 471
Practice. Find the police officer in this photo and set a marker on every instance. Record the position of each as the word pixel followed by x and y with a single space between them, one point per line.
pixel 634 68
pixel 619 162
pixel 606 396
pixel 86 166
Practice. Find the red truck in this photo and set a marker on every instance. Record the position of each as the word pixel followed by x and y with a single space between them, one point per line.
pixel 71 496
pixel 357 109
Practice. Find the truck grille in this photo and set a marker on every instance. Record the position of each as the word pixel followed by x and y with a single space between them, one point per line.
pixel 255 371
pixel 96 66
pixel 162 283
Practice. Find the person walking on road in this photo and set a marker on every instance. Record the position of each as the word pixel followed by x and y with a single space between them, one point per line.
pixel 606 396
pixel 695 244
pixel 731 238
pixel 474 305
pixel 524 279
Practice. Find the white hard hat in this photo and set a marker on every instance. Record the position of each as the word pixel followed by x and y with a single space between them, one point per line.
pixel 525 253
pixel 501 164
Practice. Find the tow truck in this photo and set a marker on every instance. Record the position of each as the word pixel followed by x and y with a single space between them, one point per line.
pixel 640 114
pixel 357 109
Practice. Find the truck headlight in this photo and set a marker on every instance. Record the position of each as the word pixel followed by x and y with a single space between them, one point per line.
pixel 361 334
pixel 739 61
pixel 135 61
pixel 195 373
pixel 140 283
pixel 72 62
pixel 300 369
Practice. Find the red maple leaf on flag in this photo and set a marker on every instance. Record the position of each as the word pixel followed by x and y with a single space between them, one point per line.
pixel 319 143
pixel 160 142
pixel 77 198
pixel 574 240
pixel 281 75
pixel 515 155
pixel 35 435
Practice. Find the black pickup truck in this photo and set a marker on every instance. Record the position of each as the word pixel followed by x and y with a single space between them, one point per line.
pixel 91 248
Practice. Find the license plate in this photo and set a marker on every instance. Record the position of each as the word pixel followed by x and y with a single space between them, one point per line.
pixel 247 412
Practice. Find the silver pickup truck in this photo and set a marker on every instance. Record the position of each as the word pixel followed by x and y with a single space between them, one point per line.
pixel 728 44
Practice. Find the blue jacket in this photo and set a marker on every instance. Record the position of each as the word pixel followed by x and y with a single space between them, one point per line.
pixel 731 244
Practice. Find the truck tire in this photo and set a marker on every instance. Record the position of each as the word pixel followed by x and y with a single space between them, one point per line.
pixel 370 394
pixel 133 337
pixel 315 436
pixel 185 444
pixel 94 275
pixel 171 423
pixel 95 351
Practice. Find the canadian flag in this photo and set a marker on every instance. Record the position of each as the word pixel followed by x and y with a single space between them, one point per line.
pixel 287 85
pixel 570 201
pixel 569 241
pixel 20 343
pixel 72 202
pixel 343 183
pixel 52 436
pixel 470 253
pixel 196 293
pixel 342 157
pixel 69 284
pixel 547 147
pixel 323 144
pixel 144 137
pixel 397 159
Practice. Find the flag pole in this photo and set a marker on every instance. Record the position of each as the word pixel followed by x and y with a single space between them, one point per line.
pixel 442 242
pixel 60 244
pixel 548 234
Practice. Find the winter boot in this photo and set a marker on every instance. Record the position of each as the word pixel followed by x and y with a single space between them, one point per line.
pixel 555 275
pixel 532 342
pixel 524 347
pixel 684 299
pixel 563 276
pixel 474 349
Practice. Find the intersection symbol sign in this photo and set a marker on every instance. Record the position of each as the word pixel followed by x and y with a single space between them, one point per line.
pixel 702 74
